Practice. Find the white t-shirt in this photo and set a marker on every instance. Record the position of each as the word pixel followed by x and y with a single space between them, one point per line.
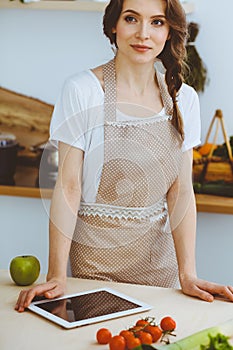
pixel 78 120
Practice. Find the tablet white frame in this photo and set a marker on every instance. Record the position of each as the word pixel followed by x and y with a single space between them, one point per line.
pixel 141 308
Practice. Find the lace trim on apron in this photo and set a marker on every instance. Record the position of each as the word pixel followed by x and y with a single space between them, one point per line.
pixel 156 211
pixel 140 121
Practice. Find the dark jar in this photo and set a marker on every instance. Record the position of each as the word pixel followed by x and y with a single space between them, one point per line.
pixel 8 158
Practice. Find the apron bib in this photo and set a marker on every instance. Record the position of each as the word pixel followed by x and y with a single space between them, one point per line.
pixel 124 235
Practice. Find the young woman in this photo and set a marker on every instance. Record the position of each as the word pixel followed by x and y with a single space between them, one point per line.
pixel 123 205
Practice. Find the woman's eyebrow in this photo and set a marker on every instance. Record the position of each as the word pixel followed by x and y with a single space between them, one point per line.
pixel 138 14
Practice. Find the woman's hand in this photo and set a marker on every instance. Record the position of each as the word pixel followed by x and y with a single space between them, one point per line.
pixel 51 289
pixel 205 290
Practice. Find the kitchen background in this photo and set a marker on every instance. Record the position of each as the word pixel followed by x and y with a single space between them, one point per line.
pixel 39 49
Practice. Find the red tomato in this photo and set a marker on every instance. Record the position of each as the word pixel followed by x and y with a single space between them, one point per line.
pixel 103 336
pixel 142 323
pixel 117 342
pixel 168 324
pixel 133 343
pixel 155 331
pixel 126 334
pixel 136 330
pixel 146 338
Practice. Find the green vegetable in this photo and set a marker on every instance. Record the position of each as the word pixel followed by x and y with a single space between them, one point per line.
pixel 196 75
pixel 202 338
pixel 219 342
pixel 219 188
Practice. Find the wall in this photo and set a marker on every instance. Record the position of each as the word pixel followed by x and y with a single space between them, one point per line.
pixel 214 247
pixel 24 229
pixel 214 46
pixel 39 49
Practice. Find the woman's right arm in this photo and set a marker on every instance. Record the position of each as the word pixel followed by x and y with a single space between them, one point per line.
pixel 63 216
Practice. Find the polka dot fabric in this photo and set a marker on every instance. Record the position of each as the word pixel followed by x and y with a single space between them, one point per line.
pixel 141 161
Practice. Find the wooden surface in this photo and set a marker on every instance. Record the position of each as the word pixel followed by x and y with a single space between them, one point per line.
pixel 25 192
pixel 29 331
pixel 18 110
pixel 77 5
pixel 214 204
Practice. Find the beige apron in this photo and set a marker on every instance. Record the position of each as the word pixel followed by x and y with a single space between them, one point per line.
pixel 124 236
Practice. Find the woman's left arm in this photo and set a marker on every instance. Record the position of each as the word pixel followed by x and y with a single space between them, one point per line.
pixel 182 213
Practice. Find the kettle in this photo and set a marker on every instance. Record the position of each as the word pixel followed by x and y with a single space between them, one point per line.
pixel 48 165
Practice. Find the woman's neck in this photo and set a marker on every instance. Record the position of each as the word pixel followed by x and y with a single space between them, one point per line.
pixel 137 78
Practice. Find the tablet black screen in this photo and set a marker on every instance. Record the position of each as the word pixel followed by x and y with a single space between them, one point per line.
pixel 86 306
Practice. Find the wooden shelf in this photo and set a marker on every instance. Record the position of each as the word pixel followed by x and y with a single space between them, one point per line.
pixel 205 203
pixel 70 5
pixel 29 192
pixel 214 204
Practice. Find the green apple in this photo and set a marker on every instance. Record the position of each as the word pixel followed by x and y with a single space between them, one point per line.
pixel 24 270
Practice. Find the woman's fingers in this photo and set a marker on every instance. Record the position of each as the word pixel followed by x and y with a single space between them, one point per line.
pixel 204 295
pixel 225 291
pixel 195 291
pixel 20 302
pixel 217 289
pixel 48 289
pixel 207 290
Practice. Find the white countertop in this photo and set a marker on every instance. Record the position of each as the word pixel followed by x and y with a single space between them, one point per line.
pixel 28 331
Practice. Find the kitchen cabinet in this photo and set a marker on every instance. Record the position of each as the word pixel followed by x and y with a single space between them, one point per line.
pixel 75 5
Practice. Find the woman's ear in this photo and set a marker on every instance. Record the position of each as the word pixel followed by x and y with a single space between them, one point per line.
pixel 113 30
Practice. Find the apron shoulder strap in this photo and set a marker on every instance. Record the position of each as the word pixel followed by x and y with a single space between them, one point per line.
pixel 166 98
pixel 109 74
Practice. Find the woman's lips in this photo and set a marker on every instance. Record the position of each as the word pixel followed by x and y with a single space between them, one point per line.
pixel 141 48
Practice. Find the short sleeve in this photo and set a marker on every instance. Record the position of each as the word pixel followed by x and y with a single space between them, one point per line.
pixel 68 120
pixel 190 110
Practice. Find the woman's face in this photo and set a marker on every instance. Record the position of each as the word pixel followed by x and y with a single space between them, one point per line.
pixel 142 30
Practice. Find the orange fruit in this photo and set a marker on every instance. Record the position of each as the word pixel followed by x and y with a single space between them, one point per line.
pixel 205 149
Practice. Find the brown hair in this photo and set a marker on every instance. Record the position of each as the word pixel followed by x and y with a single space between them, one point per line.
pixel 173 53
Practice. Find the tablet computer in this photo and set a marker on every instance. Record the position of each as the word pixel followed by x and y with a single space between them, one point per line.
pixel 87 307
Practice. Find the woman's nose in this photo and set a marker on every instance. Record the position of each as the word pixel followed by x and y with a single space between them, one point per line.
pixel 143 32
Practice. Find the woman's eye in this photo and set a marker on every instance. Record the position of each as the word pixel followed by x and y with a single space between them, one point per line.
pixel 158 22
pixel 130 19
